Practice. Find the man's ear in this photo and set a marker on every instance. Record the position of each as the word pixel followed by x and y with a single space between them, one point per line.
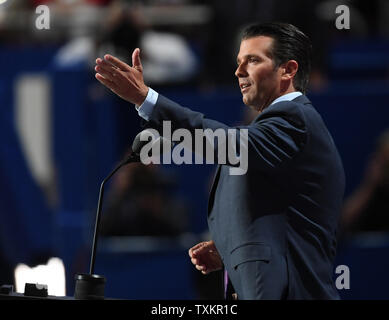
pixel 289 69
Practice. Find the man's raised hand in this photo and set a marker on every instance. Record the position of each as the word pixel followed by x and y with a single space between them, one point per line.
pixel 127 82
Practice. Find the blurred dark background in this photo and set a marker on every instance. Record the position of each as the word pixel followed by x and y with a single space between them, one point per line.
pixel 62 133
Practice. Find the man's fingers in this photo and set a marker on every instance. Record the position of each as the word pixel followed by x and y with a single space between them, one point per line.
pixel 201 254
pixel 106 73
pixel 117 63
pixel 109 84
pixel 106 65
pixel 198 253
pixel 136 63
pixel 104 62
pixel 195 249
pixel 200 267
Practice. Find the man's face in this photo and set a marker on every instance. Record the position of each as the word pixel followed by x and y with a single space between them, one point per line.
pixel 259 80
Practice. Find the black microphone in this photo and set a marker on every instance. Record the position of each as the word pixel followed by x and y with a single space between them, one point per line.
pixel 158 143
pixel 91 286
pixel 143 138
pixel 134 156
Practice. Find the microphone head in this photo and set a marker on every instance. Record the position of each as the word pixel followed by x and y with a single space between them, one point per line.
pixel 151 135
pixel 141 139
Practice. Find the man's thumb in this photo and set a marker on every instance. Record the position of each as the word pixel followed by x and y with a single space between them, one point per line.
pixel 136 63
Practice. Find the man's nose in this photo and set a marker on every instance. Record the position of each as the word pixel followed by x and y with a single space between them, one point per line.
pixel 241 71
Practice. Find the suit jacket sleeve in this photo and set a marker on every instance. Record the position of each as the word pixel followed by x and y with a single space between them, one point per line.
pixel 275 137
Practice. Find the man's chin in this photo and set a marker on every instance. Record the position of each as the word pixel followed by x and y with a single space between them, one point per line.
pixel 249 103
pixel 246 101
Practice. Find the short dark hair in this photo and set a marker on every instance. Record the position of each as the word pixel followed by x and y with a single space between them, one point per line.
pixel 289 43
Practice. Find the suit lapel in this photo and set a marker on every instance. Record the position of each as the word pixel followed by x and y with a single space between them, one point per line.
pixel 213 189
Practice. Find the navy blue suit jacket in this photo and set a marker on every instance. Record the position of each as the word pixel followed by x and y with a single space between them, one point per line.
pixel 275 226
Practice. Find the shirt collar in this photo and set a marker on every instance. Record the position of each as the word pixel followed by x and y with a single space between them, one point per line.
pixel 287 97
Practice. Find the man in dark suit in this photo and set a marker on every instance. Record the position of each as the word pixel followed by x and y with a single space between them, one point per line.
pixel 274 228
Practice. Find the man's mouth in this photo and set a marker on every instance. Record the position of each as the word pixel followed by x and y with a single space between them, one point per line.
pixel 244 87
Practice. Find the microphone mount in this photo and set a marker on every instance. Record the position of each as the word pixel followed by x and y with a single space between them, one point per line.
pixel 91 286
pixel 133 157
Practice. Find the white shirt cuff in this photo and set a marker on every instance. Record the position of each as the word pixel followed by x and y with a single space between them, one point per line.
pixel 146 108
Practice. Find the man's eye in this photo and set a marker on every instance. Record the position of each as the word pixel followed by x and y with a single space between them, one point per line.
pixel 253 60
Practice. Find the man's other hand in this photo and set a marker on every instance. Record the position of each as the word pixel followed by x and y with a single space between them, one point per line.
pixel 205 257
pixel 127 82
